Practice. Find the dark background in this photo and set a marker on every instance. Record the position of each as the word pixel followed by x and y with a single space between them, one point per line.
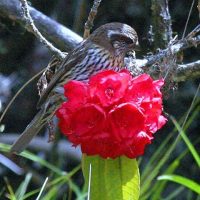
pixel 22 56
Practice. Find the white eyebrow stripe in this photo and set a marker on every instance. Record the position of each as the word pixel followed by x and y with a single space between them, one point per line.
pixel 110 32
pixel 124 28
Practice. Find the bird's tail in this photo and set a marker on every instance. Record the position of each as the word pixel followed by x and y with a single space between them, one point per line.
pixel 31 130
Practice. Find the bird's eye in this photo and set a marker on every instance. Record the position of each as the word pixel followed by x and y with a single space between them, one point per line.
pixel 128 40
pixel 116 44
pixel 118 38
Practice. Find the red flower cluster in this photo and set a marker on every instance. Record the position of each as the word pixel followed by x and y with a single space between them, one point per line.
pixel 113 114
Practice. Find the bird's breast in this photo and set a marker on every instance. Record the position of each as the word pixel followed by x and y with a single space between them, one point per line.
pixel 96 59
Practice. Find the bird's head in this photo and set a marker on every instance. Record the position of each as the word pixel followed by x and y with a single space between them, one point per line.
pixel 117 38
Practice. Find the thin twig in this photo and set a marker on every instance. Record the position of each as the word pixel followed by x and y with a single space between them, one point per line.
pixel 183 72
pixel 66 39
pixel 164 62
pixel 89 23
pixel 178 46
pixel 42 39
pixel 62 37
pixel 193 32
pixel 188 18
pixel 174 49
pixel 18 92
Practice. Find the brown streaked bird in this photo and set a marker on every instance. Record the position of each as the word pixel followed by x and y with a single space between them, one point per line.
pixel 105 48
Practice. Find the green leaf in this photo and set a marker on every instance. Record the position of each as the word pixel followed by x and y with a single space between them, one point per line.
pixel 11 194
pixel 23 187
pixel 159 187
pixel 154 166
pixel 37 159
pixel 174 193
pixel 155 158
pixel 182 181
pixel 112 178
pixel 2 191
pixel 187 142
pixel 52 194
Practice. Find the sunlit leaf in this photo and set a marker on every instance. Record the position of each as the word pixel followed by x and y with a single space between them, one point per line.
pixel 112 178
pixel 182 181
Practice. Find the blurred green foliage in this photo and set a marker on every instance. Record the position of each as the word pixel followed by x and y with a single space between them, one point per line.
pixel 22 54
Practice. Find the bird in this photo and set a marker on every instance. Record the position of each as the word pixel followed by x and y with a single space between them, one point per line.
pixel 104 49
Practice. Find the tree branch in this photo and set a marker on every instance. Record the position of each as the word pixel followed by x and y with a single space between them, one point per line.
pixel 183 72
pixel 174 49
pixel 188 71
pixel 32 28
pixel 89 23
pixel 149 63
pixel 62 37
pixel 66 40
pixel 161 20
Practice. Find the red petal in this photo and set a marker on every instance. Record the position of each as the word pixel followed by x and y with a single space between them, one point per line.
pixel 109 87
pixel 77 94
pixel 88 119
pixel 126 121
pixel 64 120
pixel 143 88
pixel 158 83
pixel 152 111
pixel 161 121
pixel 113 115
pixel 136 148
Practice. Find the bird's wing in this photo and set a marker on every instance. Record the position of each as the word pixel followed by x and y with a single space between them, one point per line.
pixel 71 60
